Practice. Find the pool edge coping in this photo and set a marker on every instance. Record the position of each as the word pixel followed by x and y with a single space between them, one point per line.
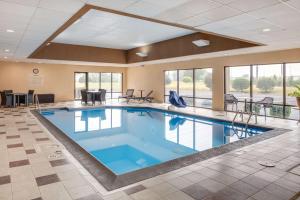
pixel 111 181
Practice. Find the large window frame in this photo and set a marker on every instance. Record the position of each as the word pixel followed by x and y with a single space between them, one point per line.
pixel 110 93
pixel 284 94
pixel 193 97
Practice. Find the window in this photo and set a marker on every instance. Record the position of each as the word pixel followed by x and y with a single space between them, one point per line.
pixel 238 81
pixel 106 84
pixel 203 87
pixel 170 83
pixel 111 82
pixel 292 79
pixel 94 81
pixel 186 86
pixel 116 85
pixel 80 84
pixel 270 80
pixel 194 85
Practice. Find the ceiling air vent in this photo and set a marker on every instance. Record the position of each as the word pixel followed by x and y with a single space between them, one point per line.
pixel 201 43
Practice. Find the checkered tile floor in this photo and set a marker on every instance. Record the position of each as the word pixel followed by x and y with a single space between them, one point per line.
pixel 33 165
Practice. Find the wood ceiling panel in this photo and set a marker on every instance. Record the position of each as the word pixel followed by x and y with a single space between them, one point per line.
pixel 57 51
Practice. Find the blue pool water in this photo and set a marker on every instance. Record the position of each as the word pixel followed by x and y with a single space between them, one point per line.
pixel 127 139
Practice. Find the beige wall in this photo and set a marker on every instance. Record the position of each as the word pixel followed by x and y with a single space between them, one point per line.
pixel 151 77
pixel 57 79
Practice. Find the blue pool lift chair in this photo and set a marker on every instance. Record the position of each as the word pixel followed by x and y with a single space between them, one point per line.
pixel 176 100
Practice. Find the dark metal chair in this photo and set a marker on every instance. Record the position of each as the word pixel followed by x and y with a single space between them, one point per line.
pixel 266 102
pixel 85 97
pixel 102 96
pixel 30 98
pixel 7 98
pixel 128 94
pixel 231 99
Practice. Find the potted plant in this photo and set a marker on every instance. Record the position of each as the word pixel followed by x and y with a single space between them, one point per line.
pixel 296 93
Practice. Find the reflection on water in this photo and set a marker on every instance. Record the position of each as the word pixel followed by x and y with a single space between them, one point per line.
pixel 126 139
pixel 204 134
pixel 175 122
pixel 93 120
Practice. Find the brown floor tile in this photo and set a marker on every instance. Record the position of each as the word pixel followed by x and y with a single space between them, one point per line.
pixel 21 122
pixel 55 163
pixel 244 188
pixel 134 189
pixel 196 191
pixel 23 129
pixel 31 124
pixel 230 194
pixel 30 151
pixel 91 197
pixel 18 163
pixel 12 136
pixel 45 180
pixel 41 139
pixel 15 145
pixel 34 132
pixel 4 179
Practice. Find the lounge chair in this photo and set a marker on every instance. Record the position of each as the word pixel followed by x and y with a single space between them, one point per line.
pixel 146 98
pixel 128 94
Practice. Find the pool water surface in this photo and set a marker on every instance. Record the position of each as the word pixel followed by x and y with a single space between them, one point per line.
pixel 126 139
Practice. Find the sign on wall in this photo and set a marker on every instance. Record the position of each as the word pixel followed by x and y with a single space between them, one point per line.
pixel 35 79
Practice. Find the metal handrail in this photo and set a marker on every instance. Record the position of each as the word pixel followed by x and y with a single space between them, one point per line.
pixel 37 103
pixel 242 115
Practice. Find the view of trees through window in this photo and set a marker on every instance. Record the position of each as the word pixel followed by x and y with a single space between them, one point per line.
pixel 194 85
pixel 259 81
pixel 111 82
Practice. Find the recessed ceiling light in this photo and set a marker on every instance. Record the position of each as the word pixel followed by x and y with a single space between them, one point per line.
pixel 10 31
pixel 139 44
pixel 141 54
pixel 6 50
pixel 266 30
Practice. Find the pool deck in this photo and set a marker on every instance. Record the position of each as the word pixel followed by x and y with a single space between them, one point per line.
pixel 35 165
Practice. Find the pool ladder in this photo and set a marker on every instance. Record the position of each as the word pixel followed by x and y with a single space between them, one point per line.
pixel 37 103
pixel 241 113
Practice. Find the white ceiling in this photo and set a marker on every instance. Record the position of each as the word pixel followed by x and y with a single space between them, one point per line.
pixel 104 29
pixel 35 20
